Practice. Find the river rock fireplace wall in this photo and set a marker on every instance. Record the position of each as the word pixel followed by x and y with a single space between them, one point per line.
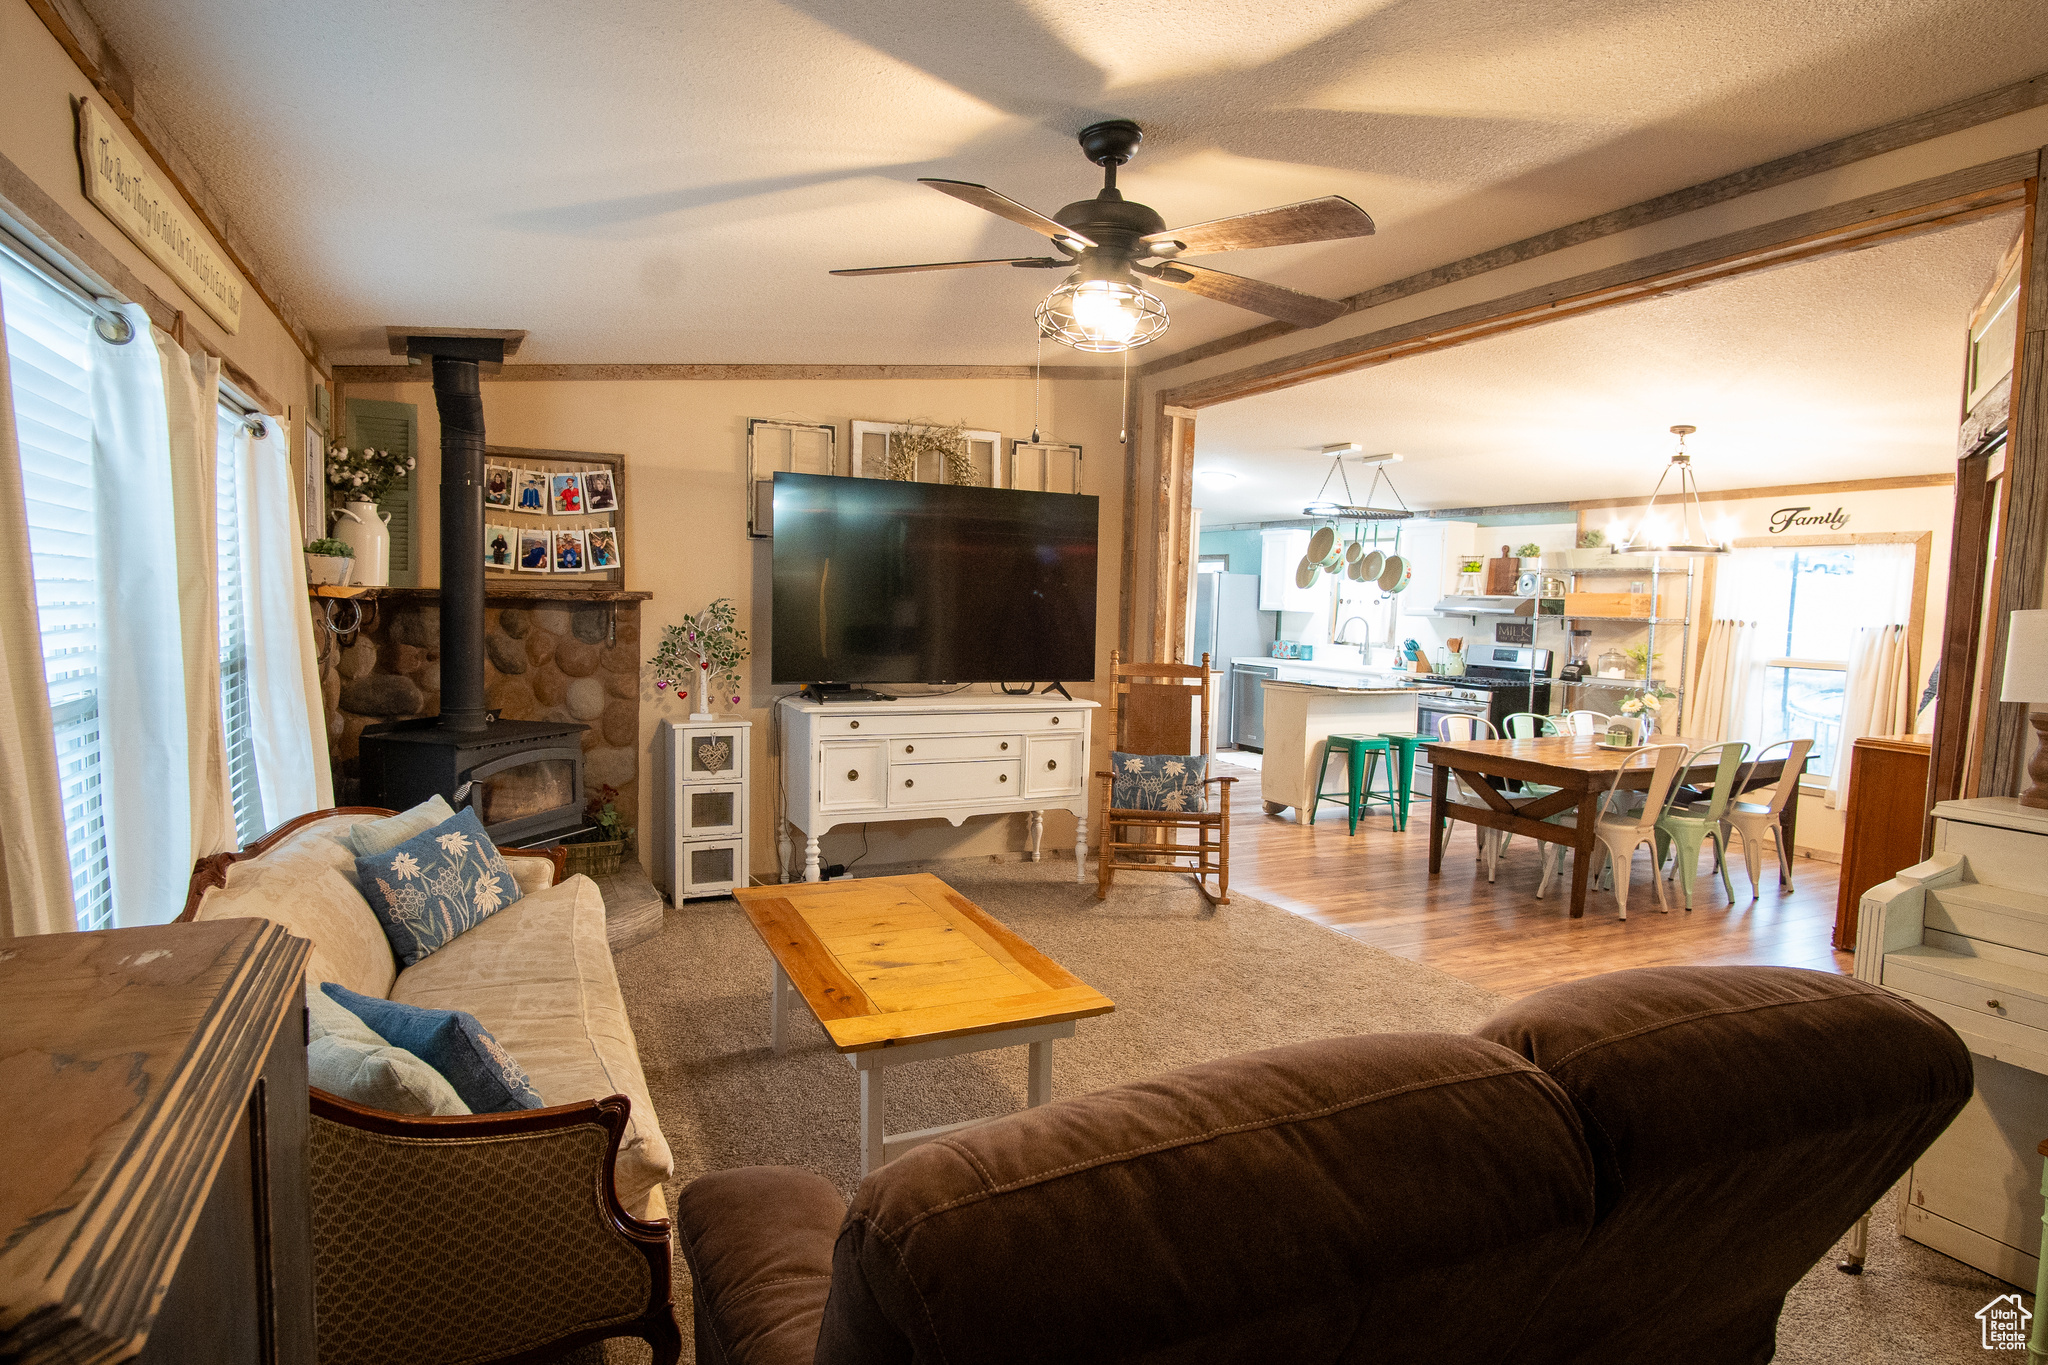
pixel 549 660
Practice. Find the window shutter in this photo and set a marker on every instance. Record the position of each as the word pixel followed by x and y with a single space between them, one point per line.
pixel 383 425
pixel 48 361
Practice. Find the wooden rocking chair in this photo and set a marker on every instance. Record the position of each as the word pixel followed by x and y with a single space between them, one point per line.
pixel 1155 709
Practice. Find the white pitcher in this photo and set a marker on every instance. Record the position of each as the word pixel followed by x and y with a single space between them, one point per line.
pixel 364 528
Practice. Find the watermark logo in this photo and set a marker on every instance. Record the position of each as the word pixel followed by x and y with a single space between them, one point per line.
pixel 2005 1321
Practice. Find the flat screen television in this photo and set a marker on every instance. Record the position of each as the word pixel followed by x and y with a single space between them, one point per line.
pixel 878 581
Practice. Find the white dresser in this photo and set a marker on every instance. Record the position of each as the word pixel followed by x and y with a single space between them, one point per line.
pixel 923 758
pixel 703 848
pixel 1964 935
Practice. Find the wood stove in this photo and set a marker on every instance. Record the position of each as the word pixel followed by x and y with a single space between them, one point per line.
pixel 523 778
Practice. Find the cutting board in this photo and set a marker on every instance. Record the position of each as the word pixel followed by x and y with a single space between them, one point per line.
pixel 1501 574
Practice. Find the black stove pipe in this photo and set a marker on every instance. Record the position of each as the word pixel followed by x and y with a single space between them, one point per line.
pixel 461 406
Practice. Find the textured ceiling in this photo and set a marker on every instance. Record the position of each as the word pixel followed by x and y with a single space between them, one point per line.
pixel 644 180
pixel 1847 367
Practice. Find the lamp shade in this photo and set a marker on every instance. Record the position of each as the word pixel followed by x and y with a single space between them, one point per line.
pixel 2026 657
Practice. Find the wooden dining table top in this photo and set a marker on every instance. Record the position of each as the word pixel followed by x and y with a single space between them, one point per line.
pixel 1578 753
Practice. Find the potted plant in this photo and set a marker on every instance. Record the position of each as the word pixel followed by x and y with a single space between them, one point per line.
pixel 601 856
pixel 329 562
pixel 1641 660
pixel 706 650
pixel 1531 555
pixel 358 478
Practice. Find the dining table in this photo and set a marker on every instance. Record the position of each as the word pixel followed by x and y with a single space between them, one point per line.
pixel 1582 769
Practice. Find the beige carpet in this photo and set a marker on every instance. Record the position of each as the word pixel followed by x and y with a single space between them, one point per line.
pixel 1191 983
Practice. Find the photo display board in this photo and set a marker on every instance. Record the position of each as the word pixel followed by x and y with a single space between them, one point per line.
pixel 554 515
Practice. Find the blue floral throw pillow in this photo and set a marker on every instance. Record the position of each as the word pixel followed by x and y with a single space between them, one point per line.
pixel 1157 781
pixel 435 886
pixel 453 1043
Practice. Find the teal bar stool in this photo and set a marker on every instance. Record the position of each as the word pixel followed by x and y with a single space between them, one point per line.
pixel 1405 744
pixel 1362 756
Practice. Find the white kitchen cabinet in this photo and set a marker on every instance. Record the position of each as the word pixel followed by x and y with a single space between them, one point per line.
pixel 1434 549
pixel 1280 553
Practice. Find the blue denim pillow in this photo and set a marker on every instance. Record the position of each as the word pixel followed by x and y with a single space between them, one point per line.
pixel 453 1043
pixel 1157 781
pixel 435 886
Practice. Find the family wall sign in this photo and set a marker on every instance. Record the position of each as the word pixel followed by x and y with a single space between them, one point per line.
pixel 1789 518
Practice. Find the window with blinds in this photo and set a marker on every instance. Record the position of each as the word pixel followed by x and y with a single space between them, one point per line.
pixel 234 631
pixel 49 364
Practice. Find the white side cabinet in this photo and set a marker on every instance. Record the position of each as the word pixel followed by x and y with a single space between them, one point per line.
pixel 1964 935
pixel 920 758
pixel 705 840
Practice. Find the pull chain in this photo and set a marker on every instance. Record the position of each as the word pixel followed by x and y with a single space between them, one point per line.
pixel 1037 379
pixel 1123 434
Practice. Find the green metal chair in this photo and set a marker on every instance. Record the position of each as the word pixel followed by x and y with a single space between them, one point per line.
pixel 1362 757
pixel 1530 725
pixel 1683 828
pixel 1404 744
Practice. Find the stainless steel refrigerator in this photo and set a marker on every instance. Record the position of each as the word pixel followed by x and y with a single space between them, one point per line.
pixel 1228 625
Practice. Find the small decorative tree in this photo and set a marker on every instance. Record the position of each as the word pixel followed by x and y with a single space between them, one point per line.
pixel 705 651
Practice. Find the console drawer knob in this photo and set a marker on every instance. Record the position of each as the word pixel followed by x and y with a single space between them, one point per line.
pixel 910 748
pixel 1005 744
pixel 1051 763
pixel 853 774
pixel 1995 1004
pixel 854 723
pixel 1055 720
pixel 1002 777
pixel 908 783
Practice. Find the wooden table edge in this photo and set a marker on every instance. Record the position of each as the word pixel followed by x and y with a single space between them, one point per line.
pixel 890 1035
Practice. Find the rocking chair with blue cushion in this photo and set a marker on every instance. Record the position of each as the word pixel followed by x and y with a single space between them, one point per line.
pixel 1158 783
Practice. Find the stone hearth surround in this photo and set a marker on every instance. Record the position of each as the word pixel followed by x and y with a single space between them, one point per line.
pixel 544 660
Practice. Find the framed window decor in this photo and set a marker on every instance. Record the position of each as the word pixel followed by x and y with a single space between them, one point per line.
pixel 563 514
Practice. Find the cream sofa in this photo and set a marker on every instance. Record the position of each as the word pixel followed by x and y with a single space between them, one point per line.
pixel 549 1254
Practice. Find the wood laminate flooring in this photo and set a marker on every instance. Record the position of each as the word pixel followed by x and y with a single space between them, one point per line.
pixel 1377 888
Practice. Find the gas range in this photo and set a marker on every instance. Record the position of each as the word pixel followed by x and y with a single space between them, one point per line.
pixel 1494 686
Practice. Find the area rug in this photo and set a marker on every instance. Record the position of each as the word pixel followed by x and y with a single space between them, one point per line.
pixel 1191 982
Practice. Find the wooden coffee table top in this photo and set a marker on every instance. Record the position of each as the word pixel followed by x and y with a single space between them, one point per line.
pixel 884 961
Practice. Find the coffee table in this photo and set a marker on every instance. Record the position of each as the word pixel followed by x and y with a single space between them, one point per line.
pixel 906 969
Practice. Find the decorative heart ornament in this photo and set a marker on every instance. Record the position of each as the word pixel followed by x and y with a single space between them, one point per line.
pixel 714 755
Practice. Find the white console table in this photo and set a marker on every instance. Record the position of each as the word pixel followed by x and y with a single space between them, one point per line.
pixel 920 758
pixel 1964 935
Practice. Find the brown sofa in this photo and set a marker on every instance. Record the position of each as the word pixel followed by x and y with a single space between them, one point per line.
pixel 1634 1168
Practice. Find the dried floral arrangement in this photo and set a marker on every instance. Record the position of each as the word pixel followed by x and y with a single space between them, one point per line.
pixel 912 440
pixel 708 649
pixel 364 474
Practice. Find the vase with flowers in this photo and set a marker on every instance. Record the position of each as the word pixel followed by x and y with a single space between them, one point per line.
pixel 704 651
pixel 357 479
pixel 1642 707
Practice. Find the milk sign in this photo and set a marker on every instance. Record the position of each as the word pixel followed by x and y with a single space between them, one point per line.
pixel 1787 518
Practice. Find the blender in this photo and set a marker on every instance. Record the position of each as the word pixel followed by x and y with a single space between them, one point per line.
pixel 1575 668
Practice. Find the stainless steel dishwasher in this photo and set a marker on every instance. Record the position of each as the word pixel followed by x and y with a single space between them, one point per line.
pixel 1248 704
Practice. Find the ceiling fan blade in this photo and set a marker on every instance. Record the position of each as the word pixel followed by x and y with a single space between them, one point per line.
pixel 1274 300
pixel 1328 219
pixel 1028 262
pixel 1002 206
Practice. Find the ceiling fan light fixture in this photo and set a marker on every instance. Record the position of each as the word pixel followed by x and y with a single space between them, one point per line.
pixel 1101 315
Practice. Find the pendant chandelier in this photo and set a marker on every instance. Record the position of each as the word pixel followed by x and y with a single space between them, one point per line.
pixel 1648 535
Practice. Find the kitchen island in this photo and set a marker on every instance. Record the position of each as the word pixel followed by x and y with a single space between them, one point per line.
pixel 1301 716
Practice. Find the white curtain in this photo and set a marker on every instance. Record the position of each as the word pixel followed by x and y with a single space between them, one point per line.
pixel 285 709
pixel 1723 694
pixel 191 398
pixel 35 871
pixel 1877 700
pixel 145 788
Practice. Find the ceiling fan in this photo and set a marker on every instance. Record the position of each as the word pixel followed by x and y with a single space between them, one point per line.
pixel 1111 243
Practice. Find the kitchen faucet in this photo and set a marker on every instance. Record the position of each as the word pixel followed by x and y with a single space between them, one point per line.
pixel 1363 645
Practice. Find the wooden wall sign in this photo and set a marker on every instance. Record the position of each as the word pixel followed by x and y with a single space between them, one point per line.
pixel 123 184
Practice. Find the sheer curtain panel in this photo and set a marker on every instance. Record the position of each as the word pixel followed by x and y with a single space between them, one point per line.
pixel 1719 706
pixel 287 719
pixel 191 400
pixel 35 870
pixel 1879 699
pixel 146 792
